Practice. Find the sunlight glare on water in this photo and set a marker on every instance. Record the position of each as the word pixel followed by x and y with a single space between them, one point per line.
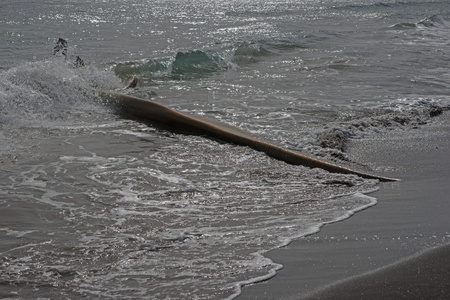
pixel 95 204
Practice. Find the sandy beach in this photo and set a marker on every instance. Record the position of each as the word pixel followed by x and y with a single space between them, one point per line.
pixel 396 249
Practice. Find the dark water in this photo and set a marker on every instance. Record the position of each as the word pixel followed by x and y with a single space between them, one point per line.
pixel 96 205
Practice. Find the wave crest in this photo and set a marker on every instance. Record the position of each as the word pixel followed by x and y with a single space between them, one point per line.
pixel 194 64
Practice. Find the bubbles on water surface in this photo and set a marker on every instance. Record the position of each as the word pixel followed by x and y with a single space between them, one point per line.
pixel 111 208
pixel 165 218
pixel 41 97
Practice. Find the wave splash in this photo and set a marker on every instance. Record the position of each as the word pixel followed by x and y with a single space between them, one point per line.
pixel 39 99
pixel 49 90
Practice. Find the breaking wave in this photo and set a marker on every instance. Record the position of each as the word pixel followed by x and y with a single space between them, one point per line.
pixel 432 21
pixel 193 64
pixel 50 90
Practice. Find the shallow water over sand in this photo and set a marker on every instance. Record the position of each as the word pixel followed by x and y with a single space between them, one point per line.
pixel 95 204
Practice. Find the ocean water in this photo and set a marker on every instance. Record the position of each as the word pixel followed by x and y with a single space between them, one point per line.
pixel 96 205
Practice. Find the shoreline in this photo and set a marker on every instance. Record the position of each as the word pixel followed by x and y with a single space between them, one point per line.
pixel 409 219
pixel 423 276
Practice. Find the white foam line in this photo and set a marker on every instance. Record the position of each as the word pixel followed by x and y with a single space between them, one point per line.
pixel 24 246
pixel 312 230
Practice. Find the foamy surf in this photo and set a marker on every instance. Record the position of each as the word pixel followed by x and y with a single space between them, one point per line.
pixel 97 205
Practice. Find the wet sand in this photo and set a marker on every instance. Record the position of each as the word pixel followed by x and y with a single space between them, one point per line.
pixel 396 249
pixel 426 276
